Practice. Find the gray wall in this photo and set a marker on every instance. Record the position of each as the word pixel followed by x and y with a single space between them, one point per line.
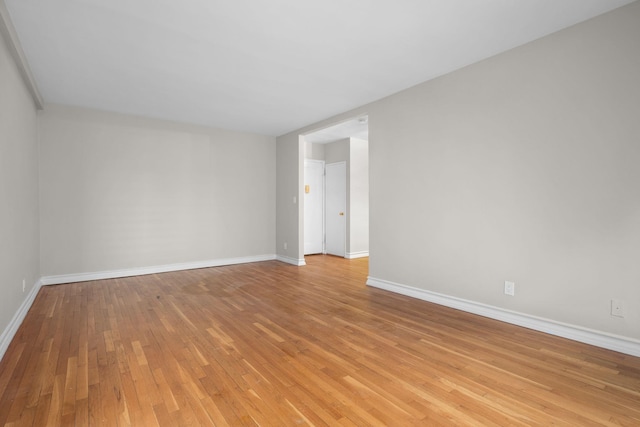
pixel 289 186
pixel 314 151
pixel 121 192
pixel 358 201
pixel 337 151
pixel 18 189
pixel 522 167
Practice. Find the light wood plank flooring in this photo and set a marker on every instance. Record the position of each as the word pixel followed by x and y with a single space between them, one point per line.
pixel 276 345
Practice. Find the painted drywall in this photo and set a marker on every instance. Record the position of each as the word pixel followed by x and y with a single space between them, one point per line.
pixel 522 167
pixel 19 225
pixel 289 192
pixel 358 201
pixel 314 151
pixel 337 151
pixel 121 192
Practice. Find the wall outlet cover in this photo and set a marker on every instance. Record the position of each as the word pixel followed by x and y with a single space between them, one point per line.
pixel 509 288
pixel 617 308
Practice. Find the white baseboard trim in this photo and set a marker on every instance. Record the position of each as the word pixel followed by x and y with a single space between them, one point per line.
pixel 289 260
pixel 113 274
pixel 11 330
pixel 577 333
pixel 353 255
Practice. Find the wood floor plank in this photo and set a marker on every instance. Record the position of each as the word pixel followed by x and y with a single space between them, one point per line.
pixel 271 344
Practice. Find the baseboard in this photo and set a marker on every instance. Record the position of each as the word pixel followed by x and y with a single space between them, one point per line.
pixel 353 255
pixel 588 336
pixel 16 321
pixel 289 260
pixel 113 274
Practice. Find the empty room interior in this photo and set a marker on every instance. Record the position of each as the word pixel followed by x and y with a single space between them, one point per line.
pixel 320 213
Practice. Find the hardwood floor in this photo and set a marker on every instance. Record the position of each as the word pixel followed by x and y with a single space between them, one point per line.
pixel 277 345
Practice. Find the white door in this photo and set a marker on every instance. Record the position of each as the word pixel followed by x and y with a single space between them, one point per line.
pixel 313 207
pixel 336 204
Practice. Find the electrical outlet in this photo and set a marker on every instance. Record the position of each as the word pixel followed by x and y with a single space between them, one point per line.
pixel 285 245
pixel 24 285
pixel 509 288
pixel 616 308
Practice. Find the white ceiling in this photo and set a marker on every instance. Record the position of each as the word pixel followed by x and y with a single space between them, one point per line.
pixel 266 66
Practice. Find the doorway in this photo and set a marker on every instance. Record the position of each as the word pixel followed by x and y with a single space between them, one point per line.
pixel 346 189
